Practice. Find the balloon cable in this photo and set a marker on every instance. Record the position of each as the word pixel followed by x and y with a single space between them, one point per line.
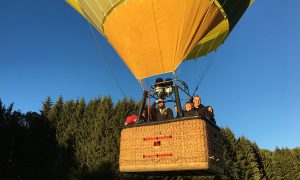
pixel 203 75
pixel 210 62
pixel 106 62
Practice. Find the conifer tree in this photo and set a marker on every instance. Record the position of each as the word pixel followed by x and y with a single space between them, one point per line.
pixel 9 110
pixel 4 150
pixel 66 127
pixel 248 163
pixel 46 108
pixel 285 164
pixel 55 112
pixel 230 158
pixel 64 161
pixel 266 157
pixel 108 141
pixel 83 143
pixel 89 142
pixel 2 113
pixel 296 152
pixel 258 157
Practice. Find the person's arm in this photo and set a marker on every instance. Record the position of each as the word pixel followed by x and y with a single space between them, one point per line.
pixel 202 112
pixel 205 114
pixel 152 112
pixel 213 120
pixel 170 114
pixel 153 105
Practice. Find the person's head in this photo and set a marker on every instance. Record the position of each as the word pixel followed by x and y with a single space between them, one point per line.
pixel 210 109
pixel 161 103
pixel 196 101
pixel 175 108
pixel 188 106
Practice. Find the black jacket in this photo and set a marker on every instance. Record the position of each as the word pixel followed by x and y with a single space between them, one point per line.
pixel 210 116
pixel 201 110
pixel 160 115
pixel 190 113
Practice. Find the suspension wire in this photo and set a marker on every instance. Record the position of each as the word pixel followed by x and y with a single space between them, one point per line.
pixel 210 62
pixel 203 74
pixel 205 17
pixel 179 70
pixel 100 48
pixel 195 66
pixel 208 65
pixel 195 58
pixel 106 62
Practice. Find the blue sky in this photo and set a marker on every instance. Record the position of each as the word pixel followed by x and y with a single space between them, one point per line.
pixel 47 49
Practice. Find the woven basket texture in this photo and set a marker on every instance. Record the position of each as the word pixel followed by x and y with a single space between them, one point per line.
pixel 171 146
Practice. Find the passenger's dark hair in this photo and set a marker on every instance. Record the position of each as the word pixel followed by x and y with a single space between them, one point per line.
pixel 213 114
pixel 210 107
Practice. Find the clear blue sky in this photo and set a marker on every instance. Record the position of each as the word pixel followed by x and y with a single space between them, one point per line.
pixel 47 49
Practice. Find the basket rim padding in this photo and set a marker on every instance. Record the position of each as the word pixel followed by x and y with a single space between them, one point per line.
pixel 168 121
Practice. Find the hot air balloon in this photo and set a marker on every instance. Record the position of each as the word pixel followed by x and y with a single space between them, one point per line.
pixel 154 37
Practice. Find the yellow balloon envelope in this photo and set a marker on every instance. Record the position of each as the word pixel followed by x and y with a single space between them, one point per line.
pixel 154 36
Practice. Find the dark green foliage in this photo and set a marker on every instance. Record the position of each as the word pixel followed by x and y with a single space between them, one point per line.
pixel 54 115
pixel 47 105
pixel 79 140
pixel 247 160
pixel 27 145
pixel 285 164
pixel 229 155
pixel 244 160
pixel 266 161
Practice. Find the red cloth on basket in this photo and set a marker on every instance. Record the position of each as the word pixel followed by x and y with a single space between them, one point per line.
pixel 130 119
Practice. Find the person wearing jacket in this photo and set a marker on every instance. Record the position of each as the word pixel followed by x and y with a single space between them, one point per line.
pixel 209 115
pixel 188 110
pixel 200 108
pixel 161 112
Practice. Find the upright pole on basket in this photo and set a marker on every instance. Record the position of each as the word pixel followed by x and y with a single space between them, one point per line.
pixel 178 104
pixel 145 94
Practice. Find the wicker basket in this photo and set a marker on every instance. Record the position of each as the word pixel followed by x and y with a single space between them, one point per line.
pixel 172 146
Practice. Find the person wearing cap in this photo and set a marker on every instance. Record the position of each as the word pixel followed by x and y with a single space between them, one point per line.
pixel 161 112
pixel 200 108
